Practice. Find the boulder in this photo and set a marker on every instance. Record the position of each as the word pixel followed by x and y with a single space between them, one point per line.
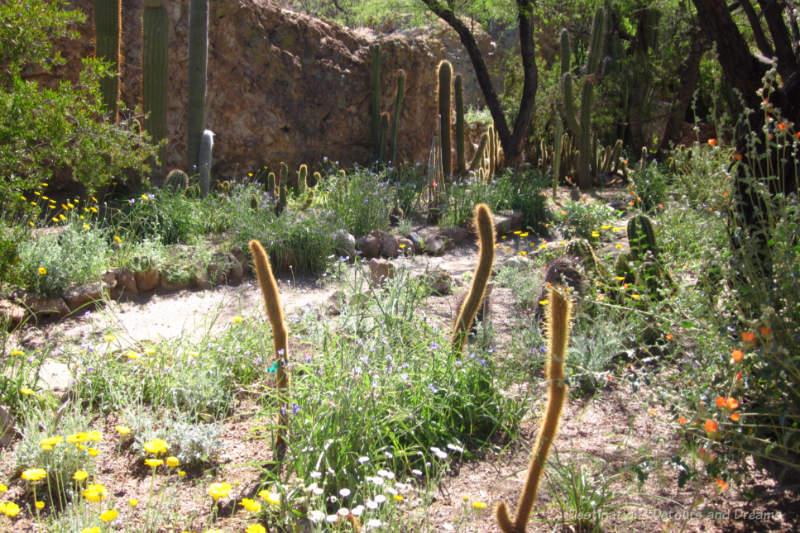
pixel 369 246
pixel 440 282
pixel 146 280
pixel 344 244
pixel 416 241
pixel 434 246
pixel 79 296
pixel 380 270
pixel 506 222
pixel 406 246
pixel 389 246
pixel 224 268
pixel 42 306
pixel 124 282
pixel 456 234
pixel 11 314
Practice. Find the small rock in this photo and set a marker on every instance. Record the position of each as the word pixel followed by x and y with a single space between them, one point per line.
pixel 334 303
pixel 416 241
pixel 55 376
pixel 11 314
pixel 125 283
pixel 439 281
pixel 235 270
pixel 41 306
pixel 344 244
pixel 225 268
pixel 79 296
pixel 389 247
pixel 369 246
pixel 456 234
pixel 406 246
pixel 517 262
pixel 146 280
pixel 434 246
pixel 379 271
pixel 507 222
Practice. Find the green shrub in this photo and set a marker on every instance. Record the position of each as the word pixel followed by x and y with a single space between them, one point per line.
pixel 359 202
pixel 76 253
pixel 46 131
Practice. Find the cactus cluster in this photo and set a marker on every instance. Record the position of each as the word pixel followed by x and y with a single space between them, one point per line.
pixel 155 57
pixel 198 67
pixel 579 121
pixel 108 32
pixel 484 225
pixel 177 180
pixel 382 121
pixel 558 318
pixel 272 303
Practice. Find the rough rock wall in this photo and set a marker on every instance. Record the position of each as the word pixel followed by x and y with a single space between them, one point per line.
pixel 282 86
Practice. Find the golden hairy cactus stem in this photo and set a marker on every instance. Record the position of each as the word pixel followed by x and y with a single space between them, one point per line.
pixel 272 302
pixel 558 317
pixel 484 225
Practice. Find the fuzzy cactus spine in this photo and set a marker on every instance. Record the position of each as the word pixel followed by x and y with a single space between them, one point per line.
pixel 155 57
pixel 198 69
pixel 559 311
pixel 484 225
pixel 272 303
pixel 445 78
pixel 398 107
pixel 108 34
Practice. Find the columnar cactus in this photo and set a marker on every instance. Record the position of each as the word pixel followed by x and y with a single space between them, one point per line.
pixel 155 27
pixel 492 152
pixel 198 66
pixel 108 31
pixel 484 225
pixel 384 130
pixel 272 303
pixel 272 185
pixel 398 107
pixel 445 77
pixel 204 160
pixel 579 122
pixel 641 237
pixel 302 178
pixel 461 158
pixel 558 317
pixel 477 160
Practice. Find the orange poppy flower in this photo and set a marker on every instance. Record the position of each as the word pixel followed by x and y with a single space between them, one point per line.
pixel 738 375
pixel 748 336
pixel 731 403
pixel 720 402
pixel 722 486
pixel 711 426
pixel 735 417
pixel 737 157
pixel 712 142
pixel 781 126
pixel 737 355
pixel 765 331
pixel 682 420
pixel 669 336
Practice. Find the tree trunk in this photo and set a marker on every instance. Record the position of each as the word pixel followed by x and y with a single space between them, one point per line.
pixel 512 142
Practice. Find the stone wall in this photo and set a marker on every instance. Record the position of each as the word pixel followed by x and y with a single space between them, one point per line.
pixel 282 86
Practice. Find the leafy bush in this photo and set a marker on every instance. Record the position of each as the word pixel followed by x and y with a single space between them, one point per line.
pixel 359 202
pixel 165 214
pixel 581 218
pixel 76 253
pixel 44 130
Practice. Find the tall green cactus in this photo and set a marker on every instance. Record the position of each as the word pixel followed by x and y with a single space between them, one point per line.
pixel 302 178
pixel 476 163
pixel 557 145
pixel 492 152
pixel 580 122
pixel 108 31
pixel 461 158
pixel 375 99
pixel 641 237
pixel 559 311
pixel 155 63
pixel 445 78
pixel 398 107
pixel 198 67
pixel 384 130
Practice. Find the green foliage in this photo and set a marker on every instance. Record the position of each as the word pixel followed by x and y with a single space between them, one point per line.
pixel 580 218
pixel 76 253
pixel 55 131
pixel 164 214
pixel 650 187
pixel 108 32
pixel 359 202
